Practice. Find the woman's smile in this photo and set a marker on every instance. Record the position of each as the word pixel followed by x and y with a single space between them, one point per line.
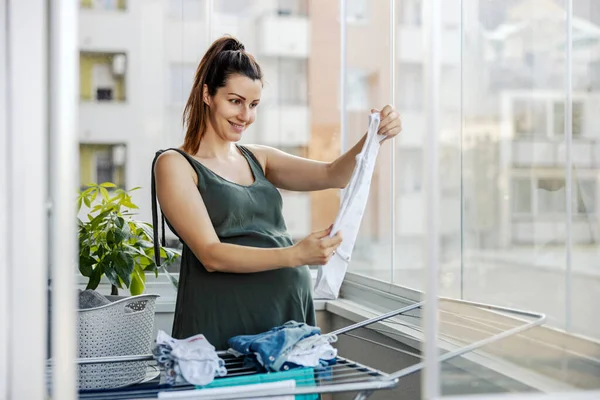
pixel 237 128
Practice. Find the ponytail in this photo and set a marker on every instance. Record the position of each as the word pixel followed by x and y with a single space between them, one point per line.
pixel 226 56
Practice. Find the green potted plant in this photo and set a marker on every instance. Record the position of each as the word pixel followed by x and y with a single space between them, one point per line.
pixel 113 243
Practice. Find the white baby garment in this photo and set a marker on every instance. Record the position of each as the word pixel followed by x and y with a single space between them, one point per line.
pixel 352 207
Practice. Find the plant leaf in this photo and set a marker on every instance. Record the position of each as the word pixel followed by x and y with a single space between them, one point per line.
pixel 124 266
pixel 110 271
pixel 134 249
pixel 86 264
pixel 129 204
pixel 104 193
pixel 95 278
pixel 108 184
pixel 137 283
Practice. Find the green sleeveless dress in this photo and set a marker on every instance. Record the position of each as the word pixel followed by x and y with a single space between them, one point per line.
pixel 222 305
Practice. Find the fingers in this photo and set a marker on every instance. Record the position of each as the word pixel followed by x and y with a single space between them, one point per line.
pixel 391 130
pixel 389 122
pixel 328 247
pixel 387 110
pixel 324 233
pixel 332 242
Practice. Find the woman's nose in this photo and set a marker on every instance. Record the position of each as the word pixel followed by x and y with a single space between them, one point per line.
pixel 245 114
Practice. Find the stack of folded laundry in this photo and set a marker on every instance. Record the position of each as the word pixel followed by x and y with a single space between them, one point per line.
pixel 193 360
pixel 289 346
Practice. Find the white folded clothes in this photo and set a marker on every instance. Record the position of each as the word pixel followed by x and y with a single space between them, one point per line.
pixel 310 351
pixel 193 359
pixel 352 207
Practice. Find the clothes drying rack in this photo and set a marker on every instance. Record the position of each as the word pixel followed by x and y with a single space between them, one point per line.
pixel 345 376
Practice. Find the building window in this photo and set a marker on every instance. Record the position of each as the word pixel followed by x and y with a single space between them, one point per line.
pixel 551 196
pixel 102 76
pixel 233 7
pixel 292 86
pixel 181 81
pixel 410 12
pixel 586 192
pixel 559 118
pixel 545 118
pixel 188 10
pixel 291 7
pixel 529 118
pixel 521 196
pixel 100 163
pixel 410 87
pixel 357 11
pixel 104 4
pixel 357 95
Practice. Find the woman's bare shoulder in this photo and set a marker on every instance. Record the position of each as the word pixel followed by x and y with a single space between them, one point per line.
pixel 174 164
pixel 261 152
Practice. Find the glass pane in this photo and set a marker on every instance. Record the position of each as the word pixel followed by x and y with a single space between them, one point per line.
pixel 584 288
pixel 514 176
pixel 410 148
pixel 367 87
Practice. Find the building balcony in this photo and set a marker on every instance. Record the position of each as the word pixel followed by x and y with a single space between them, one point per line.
pixel 552 153
pixel 283 126
pixel 106 122
pixel 107 31
pixel 283 36
pixel 536 230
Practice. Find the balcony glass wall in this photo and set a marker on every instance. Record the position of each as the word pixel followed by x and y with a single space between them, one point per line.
pixel 515 111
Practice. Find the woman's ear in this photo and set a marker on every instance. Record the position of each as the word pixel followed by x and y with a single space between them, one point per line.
pixel 205 95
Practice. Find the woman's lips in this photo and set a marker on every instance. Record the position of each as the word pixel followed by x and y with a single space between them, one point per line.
pixel 236 127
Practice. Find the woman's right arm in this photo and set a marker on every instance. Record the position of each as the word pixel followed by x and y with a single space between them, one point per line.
pixel 183 206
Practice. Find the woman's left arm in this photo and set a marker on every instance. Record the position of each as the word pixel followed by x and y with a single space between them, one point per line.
pixel 289 172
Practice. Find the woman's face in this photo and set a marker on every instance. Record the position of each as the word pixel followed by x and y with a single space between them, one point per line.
pixel 233 107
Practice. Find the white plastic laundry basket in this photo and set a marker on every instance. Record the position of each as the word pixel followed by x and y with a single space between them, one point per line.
pixel 123 328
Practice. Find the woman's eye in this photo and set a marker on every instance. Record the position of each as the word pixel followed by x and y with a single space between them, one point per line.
pixel 234 101
pixel 254 105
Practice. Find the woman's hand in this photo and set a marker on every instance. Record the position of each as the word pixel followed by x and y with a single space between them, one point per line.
pixel 316 249
pixel 390 124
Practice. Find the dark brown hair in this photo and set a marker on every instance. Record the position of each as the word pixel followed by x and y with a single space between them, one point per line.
pixel 226 56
